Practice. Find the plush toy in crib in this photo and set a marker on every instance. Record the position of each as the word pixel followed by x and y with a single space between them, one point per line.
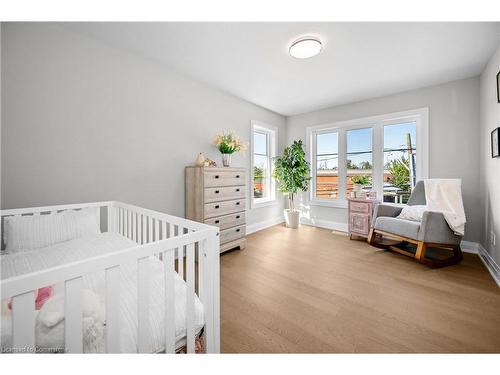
pixel 41 296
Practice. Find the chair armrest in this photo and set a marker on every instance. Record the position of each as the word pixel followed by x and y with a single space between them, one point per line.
pixel 435 229
pixel 385 209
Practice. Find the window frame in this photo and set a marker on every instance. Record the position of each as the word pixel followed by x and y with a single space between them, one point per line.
pixel 376 123
pixel 271 133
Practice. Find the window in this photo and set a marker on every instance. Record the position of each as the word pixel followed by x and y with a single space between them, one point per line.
pixel 387 154
pixel 359 157
pixel 400 154
pixel 327 162
pixel 263 146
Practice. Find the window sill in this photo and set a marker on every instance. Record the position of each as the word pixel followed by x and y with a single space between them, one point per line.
pixel 263 203
pixel 339 203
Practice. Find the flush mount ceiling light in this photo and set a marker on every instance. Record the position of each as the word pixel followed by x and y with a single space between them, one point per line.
pixel 305 47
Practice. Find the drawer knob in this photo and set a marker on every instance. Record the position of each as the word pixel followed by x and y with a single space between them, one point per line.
pixel 216 221
pixel 237 176
pixel 216 191
pixel 217 206
pixel 237 189
pixel 216 176
pixel 237 217
pixel 237 203
pixel 237 230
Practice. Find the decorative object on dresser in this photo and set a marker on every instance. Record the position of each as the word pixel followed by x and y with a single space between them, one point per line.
pixel 217 196
pixel 228 144
pixel 200 160
pixel 360 216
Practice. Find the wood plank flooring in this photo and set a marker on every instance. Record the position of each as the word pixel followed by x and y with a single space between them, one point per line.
pixel 314 291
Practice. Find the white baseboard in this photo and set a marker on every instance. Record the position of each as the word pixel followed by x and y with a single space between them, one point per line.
pixel 327 224
pixel 490 264
pixel 252 228
pixel 469 247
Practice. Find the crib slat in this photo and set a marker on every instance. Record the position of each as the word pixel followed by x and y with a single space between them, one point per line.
pixel 119 220
pixel 190 272
pixel 143 288
pixel 129 223
pixel 150 229
pixel 123 233
pixel 180 256
pixel 139 229
pixel 143 232
pixel 113 309
pixel 134 228
pixel 201 267
pixel 157 230
pixel 23 321
pixel 73 315
pixel 169 270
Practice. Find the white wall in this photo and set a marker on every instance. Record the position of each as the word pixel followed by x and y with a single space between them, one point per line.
pixel 453 132
pixel 83 122
pixel 490 167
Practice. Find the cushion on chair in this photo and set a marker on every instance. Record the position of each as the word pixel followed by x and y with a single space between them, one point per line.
pixel 405 228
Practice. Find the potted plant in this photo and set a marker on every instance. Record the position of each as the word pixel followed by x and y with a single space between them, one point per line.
pixel 228 144
pixel 291 171
pixel 359 181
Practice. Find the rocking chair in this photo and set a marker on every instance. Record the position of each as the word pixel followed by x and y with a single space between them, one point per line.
pixel 426 241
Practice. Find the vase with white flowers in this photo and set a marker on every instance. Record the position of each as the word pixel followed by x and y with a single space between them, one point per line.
pixel 228 144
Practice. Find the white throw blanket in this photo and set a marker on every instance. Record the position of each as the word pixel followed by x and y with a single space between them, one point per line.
pixel 445 196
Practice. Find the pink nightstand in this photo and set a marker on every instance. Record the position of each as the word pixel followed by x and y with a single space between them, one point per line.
pixel 360 216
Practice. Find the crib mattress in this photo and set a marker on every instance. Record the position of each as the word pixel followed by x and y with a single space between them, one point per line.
pixel 82 248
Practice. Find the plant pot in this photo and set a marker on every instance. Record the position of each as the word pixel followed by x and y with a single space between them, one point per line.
pixel 292 218
pixel 226 160
pixel 357 188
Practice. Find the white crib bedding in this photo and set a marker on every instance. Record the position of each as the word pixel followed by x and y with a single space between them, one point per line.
pixel 82 248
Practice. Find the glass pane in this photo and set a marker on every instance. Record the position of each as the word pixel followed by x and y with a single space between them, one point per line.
pixel 327 166
pixel 400 161
pixel 260 177
pixel 327 143
pixel 259 143
pixel 359 161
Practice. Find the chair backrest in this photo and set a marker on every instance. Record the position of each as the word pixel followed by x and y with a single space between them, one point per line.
pixel 417 196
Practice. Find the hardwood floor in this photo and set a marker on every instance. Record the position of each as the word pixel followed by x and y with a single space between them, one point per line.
pixel 314 291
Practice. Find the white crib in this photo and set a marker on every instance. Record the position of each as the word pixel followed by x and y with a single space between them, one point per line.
pixel 189 248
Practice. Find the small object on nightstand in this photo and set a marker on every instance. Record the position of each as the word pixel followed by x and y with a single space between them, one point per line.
pixel 360 216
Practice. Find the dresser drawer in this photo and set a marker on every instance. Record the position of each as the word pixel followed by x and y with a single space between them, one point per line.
pixel 227 221
pixel 223 193
pixel 232 234
pixel 360 207
pixel 224 178
pixel 224 208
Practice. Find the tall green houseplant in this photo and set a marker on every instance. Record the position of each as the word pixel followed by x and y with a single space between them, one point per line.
pixel 291 171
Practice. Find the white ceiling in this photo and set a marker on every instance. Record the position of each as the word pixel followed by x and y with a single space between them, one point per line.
pixel 358 61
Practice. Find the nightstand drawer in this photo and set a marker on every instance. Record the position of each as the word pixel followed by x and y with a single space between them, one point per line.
pixel 363 207
pixel 224 178
pixel 359 223
pixel 227 221
pixel 232 234
pixel 224 208
pixel 215 194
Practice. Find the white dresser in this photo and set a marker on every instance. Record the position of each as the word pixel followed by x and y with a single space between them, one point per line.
pixel 217 196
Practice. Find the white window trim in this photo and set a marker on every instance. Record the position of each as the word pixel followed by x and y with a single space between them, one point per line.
pixel 377 123
pixel 272 132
